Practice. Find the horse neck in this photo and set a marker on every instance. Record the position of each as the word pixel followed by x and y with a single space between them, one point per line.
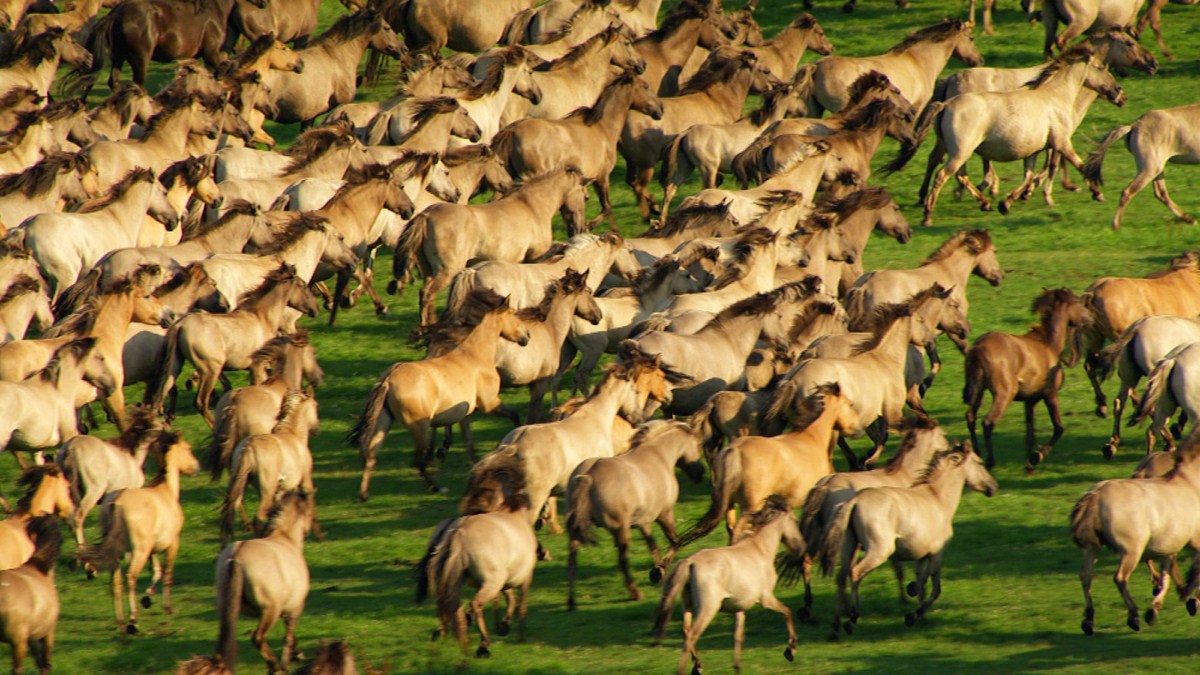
pixel 349 51
pixel 1055 330
pixel 70 374
pixel 856 227
pixel 616 110
pixel 676 47
pixel 545 197
pixel 269 308
pixel 1063 90
pixel 767 539
pixel 329 165
pixel 481 342
pixel 42 503
pixel 1083 100
pixel 731 95
pixel 790 44
pixel 292 372
pixel 293 534
pixel 742 331
pixel 232 237
pixel 305 253
pixel 171 137
pixel 761 276
pixel 894 345
pixel 930 57
pixel 113 317
pixel 607 401
pixel 821 428
pixel 358 207
pixel 947 488
pixel 955 269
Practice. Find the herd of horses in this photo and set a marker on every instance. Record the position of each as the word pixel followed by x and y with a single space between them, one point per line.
pixel 148 232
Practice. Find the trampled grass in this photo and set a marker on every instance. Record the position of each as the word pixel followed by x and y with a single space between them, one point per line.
pixel 1011 599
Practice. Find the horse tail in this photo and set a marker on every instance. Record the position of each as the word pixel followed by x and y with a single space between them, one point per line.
pixel 450 562
pixel 1093 166
pixel 77 293
pixel 409 246
pixel 579 512
pixel 69 464
pixel 804 85
pixel 834 536
pixel 930 116
pixel 702 426
pixel 239 476
pixel 460 288
pixel 166 370
pixel 673 586
pixel 973 388
pixel 812 525
pixel 113 543
pixel 514 32
pixel 1157 385
pixel 1111 354
pixel 745 164
pixel 378 128
pixel 785 395
pixel 423 569
pixel 502 146
pixel 671 161
pixel 856 308
pixel 99 43
pixel 1085 521
pixel 229 600
pixel 726 480
pixel 224 437
pixel 939 90
pixel 361 434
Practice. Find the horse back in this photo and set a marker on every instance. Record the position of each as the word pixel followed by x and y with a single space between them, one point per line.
pixel 276 575
pixel 1117 302
pixel 29 605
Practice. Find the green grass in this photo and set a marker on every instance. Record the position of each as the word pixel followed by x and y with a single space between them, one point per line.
pixel 1011 599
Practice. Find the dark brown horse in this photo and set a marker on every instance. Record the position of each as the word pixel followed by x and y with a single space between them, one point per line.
pixel 139 31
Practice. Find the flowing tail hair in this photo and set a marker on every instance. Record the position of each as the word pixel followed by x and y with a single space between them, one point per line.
pixel 99 43
pixel 1093 166
pixel 835 536
pixel 376 408
pixel 931 116
pixel 70 467
pixel 379 128
pixel 229 605
pixel 168 370
pixel 225 436
pixel 702 426
pixel 408 251
pixel 239 476
pixel 1157 387
pixel 113 544
pixel 579 513
pixel 812 525
pixel 460 288
pixel 726 480
pixel 673 586
pixel 450 562
pixel 422 570
pixel 1085 521
pixel 77 294
pixel 973 389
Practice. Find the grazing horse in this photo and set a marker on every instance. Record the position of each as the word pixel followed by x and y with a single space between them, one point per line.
pixel 912 66
pixel 755 468
pixel 1141 519
pixel 29 604
pixel 442 390
pixel 47 493
pixel 1028 368
pixel 280 460
pixel 1155 139
pixel 161 30
pixel 1117 302
pixel 266 577
pixel 144 522
pixel 635 489
pixel 732 579
pixel 218 342
pixel 445 238
pixel 903 523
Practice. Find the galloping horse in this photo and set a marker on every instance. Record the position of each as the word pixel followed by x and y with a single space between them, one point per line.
pixel 47 492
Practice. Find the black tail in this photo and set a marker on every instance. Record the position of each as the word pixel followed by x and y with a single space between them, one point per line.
pixel 229 606
pixel 112 547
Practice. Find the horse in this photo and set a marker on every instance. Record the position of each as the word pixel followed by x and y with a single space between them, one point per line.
pixel 38 61
pixel 901 523
pixel 48 185
pixel 544 455
pixel 40 411
pixel 159 30
pixel 1081 16
pixel 781 55
pixel 266 577
pixel 47 493
pixel 1167 389
pixel 331 67
pixel 1155 140
pixel 1026 367
pixel 280 460
pixel 442 390
pixel 1153 17
pixel 536 146
pixel 495 551
pixel 21 304
pixel 144 522
pixel 755 468
pixel 29 605
pixel 912 66
pixel 635 489
pixel 536 363
pixel 219 342
pixel 666 49
pixel 856 216
pixel 436 24
pixel 445 238
pixel 923 439
pixel 251 410
pixel 94 468
pixel 1166 519
pixel 285 21
pixel 982 124
pixel 1117 302
pixel 733 579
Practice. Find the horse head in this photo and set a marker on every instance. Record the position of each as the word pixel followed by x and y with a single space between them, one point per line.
pixel 890 220
pixel 464 127
pixel 817 40
pixel 644 100
pixel 987 266
pixel 511 328
pixel 1101 81
pixel 964 44
pixel 978 478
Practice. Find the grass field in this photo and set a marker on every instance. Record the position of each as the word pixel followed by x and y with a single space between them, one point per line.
pixel 1011 600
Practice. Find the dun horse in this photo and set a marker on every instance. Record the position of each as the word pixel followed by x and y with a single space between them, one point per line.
pixel 29 605
pixel 47 492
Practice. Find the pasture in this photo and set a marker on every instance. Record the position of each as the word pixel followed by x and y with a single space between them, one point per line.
pixel 1011 600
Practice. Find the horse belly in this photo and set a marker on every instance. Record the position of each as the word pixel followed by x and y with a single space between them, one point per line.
pixel 1013 138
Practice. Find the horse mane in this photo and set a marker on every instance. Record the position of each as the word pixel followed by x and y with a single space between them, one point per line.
pixel 236 208
pixel 570 282
pixel 975 240
pixel 275 516
pixel 30 479
pixel 312 145
pixel 813 406
pixel 45 530
pixel 83 320
pixel 581 50
pixel 59 110
pixel 774 509
pixel 466 154
pixel 284 272
pixel 803 21
pixel 479 303
pixel 869 116
pixel 192 170
pixel 648 432
pixel 869 81
pixel 172 105
pixel 909 426
pixel 1045 305
pixel 158 449
pixel 806 316
pixel 493 75
pixel 685 12
pixel 935 33
pixel 22 285
pixel 592 115
pixel 299 224
pixel 142 419
pixel 424 110
pixel 1052 70
pixel 37 179
pixel 747 245
pixel 133 177
pixel 718 68
pixel 347 27
pixel 881 320
pixel 567 26
pixel 25 121
pixel 120 96
pixel 940 463
pixel 15 95
pixel 253 51
pixel 39 48
pixel 770 103
pixel 76 348
pixel 274 349
pixel 288 411
pixel 755 305
pixel 696 217
pixel 180 278
pixel 501 471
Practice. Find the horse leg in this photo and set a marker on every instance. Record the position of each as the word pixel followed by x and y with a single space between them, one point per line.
pixel 289 639
pixel 1051 400
pixel 694 628
pixel 1114 441
pixel 1027 181
pixel 739 636
pixel 1030 436
pixel 572 571
pixel 587 363
pixel 537 394
pixel 422 433
pixel 1160 591
pixel 1128 564
pixel 114 403
pixel 428 297
pixel 137 561
pixel 204 391
pixel 934 571
pixel 648 536
pixel 468 438
pixel 972 416
pixel 621 541
pixel 939 180
pixel 259 638
pixel 1067 151
pixel 504 622
pixel 666 521
pixel 89 501
pixel 851 458
pixel 1154 14
pixel 773 603
pixel 551 514
pixel 118 592
pixel 1143 178
pixel 964 181
pixel 935 158
pixel 898 569
pixel 488 590
pixel 1160 191
pixel 156 575
pixel 639 181
pixel 935 365
pixel 878 432
pixel 1002 395
pixel 1052 162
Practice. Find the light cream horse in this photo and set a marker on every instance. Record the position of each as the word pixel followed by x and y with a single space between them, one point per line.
pixel 23 303
pixel 1168 389
pixel 39 59
pixel 144 522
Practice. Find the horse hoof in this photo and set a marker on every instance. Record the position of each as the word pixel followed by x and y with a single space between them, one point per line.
pixel 1087 627
pixel 848 627
pixel 131 628
pixel 482 653
pixel 635 595
pixel 1109 450
pixel 1003 207
pixel 392 287
pixel 912 589
pixel 91 574
pixel 503 628
pixel 1134 624
pixel 571 604
pixel 1102 411
pixel 383 311
pixel 790 654
pixel 696 669
pixel 436 634
pixel 656 575
pixel 910 619
pixel 1151 616
pixel 146 602
pixel 1192 606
